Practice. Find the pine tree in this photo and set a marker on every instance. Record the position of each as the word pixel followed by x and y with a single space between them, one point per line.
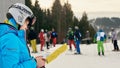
pixel 28 3
pixel 75 21
pixel 60 18
pixel 85 26
pixel 69 14
pixel 56 16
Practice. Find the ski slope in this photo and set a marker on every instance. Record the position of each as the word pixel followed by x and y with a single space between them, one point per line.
pixel 88 59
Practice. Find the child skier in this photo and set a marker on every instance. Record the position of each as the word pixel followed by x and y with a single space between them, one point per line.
pixel 71 39
pixel 77 39
pixel 114 39
pixel 100 37
pixel 54 37
pixel 42 39
pixel 32 36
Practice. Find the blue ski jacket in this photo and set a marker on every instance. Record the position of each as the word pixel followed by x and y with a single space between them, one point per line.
pixel 13 49
pixel 100 35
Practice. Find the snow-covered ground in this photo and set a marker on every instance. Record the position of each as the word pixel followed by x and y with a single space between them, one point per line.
pixel 88 59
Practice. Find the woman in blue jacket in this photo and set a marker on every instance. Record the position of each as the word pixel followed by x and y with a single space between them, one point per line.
pixel 14 52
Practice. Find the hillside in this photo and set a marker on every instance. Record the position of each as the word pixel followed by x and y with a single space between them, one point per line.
pixel 106 23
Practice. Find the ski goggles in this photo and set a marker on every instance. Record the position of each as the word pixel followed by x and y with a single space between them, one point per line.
pixel 32 20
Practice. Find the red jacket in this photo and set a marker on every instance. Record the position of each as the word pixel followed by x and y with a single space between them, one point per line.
pixel 41 36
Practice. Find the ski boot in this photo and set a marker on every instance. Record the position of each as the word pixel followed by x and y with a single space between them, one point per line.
pixel 99 53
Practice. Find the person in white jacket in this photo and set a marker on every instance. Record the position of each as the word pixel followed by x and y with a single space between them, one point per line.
pixel 47 38
pixel 114 40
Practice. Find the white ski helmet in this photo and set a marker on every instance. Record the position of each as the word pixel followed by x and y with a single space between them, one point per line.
pixel 20 13
pixel 42 30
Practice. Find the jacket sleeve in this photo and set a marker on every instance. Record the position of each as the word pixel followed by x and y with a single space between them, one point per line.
pixel 11 55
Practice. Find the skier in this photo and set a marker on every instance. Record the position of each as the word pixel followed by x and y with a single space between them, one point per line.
pixel 32 36
pixel 77 39
pixel 114 40
pixel 71 39
pixel 54 37
pixel 14 52
pixel 47 38
pixel 42 39
pixel 88 37
pixel 100 37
